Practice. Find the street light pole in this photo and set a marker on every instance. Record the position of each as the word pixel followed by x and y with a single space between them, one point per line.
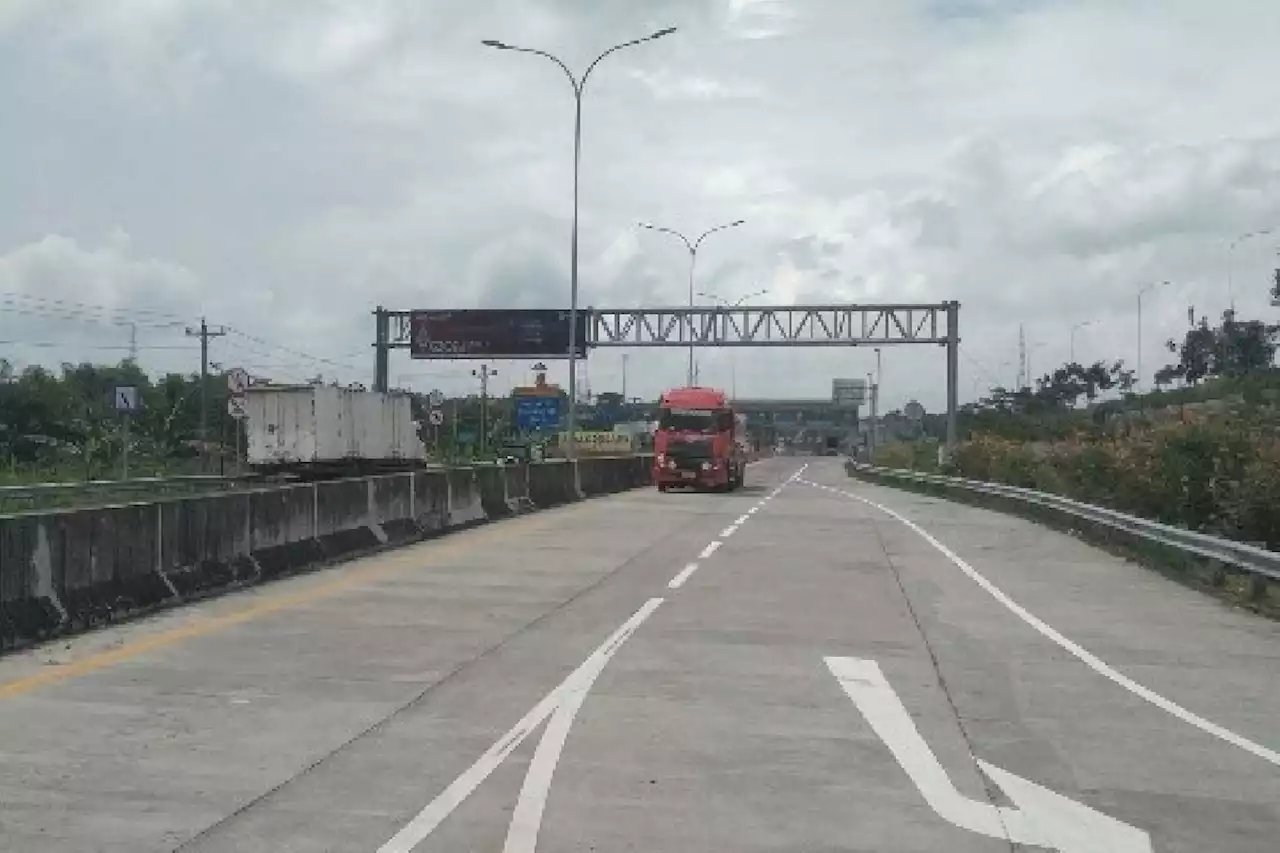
pixel 1138 364
pixel 733 362
pixel 1231 252
pixel 579 86
pixel 1074 329
pixel 692 246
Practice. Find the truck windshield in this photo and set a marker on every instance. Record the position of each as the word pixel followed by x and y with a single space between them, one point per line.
pixel 695 420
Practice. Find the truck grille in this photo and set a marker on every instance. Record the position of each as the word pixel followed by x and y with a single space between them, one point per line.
pixel 689 454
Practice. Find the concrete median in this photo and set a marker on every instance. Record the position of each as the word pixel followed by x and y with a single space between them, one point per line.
pixel 63 571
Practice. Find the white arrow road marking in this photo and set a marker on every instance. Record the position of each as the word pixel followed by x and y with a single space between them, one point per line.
pixel 1086 657
pixel 1039 817
pixel 561 704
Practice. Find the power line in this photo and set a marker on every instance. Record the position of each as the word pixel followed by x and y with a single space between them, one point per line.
pixel 80 316
pixel 90 306
pixel 57 344
pixel 313 358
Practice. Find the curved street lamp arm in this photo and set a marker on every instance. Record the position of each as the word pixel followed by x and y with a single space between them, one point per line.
pixel 692 248
pixel 573 81
pixel 709 232
pixel 659 34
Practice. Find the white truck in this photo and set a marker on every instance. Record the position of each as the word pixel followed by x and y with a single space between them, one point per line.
pixel 329 430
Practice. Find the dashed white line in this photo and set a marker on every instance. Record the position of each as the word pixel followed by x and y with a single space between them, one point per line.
pixel 728 531
pixel 710 549
pixel 678 581
pixel 1082 654
pixel 742 519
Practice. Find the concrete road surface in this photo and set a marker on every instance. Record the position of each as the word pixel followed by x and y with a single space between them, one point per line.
pixel 810 664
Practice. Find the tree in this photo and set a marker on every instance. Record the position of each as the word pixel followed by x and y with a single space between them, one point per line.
pixel 1232 349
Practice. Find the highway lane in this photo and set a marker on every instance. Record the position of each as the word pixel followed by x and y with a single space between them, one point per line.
pixel 608 677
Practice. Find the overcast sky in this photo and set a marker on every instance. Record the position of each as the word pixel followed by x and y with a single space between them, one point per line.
pixel 283 166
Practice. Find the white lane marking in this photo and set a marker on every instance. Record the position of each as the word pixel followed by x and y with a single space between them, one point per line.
pixel 728 531
pixel 1084 655
pixel 753 510
pixel 683 575
pixel 563 701
pixel 1039 818
pixel 709 550
pixel 742 519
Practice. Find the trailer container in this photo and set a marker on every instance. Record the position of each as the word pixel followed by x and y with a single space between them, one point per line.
pixel 315 426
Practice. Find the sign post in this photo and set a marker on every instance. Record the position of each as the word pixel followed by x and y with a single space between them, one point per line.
pixel 237 385
pixel 126 401
pixel 435 416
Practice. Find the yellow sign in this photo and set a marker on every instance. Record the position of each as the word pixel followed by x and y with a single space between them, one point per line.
pixel 601 442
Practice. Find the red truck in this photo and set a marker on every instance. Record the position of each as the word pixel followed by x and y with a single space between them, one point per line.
pixel 700 441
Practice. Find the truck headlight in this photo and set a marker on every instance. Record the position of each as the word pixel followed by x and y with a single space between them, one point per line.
pixel 706 466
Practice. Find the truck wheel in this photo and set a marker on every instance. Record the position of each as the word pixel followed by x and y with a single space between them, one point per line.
pixel 662 488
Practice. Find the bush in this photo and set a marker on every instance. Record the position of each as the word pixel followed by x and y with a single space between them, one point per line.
pixel 1219 476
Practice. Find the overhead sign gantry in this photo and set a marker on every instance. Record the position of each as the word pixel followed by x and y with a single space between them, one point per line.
pixel 522 333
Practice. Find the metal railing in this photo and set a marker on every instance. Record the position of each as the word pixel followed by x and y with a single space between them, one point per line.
pixel 1242 555
pixel 44 495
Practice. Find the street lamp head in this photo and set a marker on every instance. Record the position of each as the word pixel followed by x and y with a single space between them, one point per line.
pixel 644 225
pixel 663 32
pixel 736 224
pixel 497 45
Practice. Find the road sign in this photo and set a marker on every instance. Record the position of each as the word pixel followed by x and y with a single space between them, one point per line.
pixel 537 413
pixel 914 411
pixel 435 399
pixel 236 408
pixel 848 392
pixel 436 417
pixel 237 381
pixel 1038 817
pixel 126 398
pixel 494 333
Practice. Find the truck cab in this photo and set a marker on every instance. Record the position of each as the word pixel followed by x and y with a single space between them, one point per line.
pixel 699 441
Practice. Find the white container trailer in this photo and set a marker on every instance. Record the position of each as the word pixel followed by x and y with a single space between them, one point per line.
pixel 300 425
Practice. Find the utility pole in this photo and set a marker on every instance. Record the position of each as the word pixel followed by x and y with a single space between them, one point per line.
pixel 133 342
pixel 204 333
pixel 624 378
pixel 484 372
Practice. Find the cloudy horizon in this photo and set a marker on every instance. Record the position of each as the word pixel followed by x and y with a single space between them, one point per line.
pixel 283 167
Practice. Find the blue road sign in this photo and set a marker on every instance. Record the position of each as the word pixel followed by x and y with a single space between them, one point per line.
pixel 537 413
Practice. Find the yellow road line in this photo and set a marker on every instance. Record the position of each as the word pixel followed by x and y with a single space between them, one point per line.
pixel 378 567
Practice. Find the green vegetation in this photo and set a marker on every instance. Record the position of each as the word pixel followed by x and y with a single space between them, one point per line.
pixel 63 426
pixel 1205 456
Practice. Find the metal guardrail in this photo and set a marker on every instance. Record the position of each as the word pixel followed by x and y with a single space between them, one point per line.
pixel 1246 557
pixel 41 494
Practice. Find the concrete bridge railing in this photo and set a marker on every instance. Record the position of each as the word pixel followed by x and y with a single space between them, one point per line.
pixel 68 570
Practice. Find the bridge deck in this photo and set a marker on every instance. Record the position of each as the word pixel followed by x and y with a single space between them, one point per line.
pixel 325 713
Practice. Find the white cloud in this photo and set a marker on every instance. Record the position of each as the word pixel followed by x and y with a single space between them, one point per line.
pixel 288 165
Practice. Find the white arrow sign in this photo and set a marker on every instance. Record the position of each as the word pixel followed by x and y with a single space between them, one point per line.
pixel 1039 817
